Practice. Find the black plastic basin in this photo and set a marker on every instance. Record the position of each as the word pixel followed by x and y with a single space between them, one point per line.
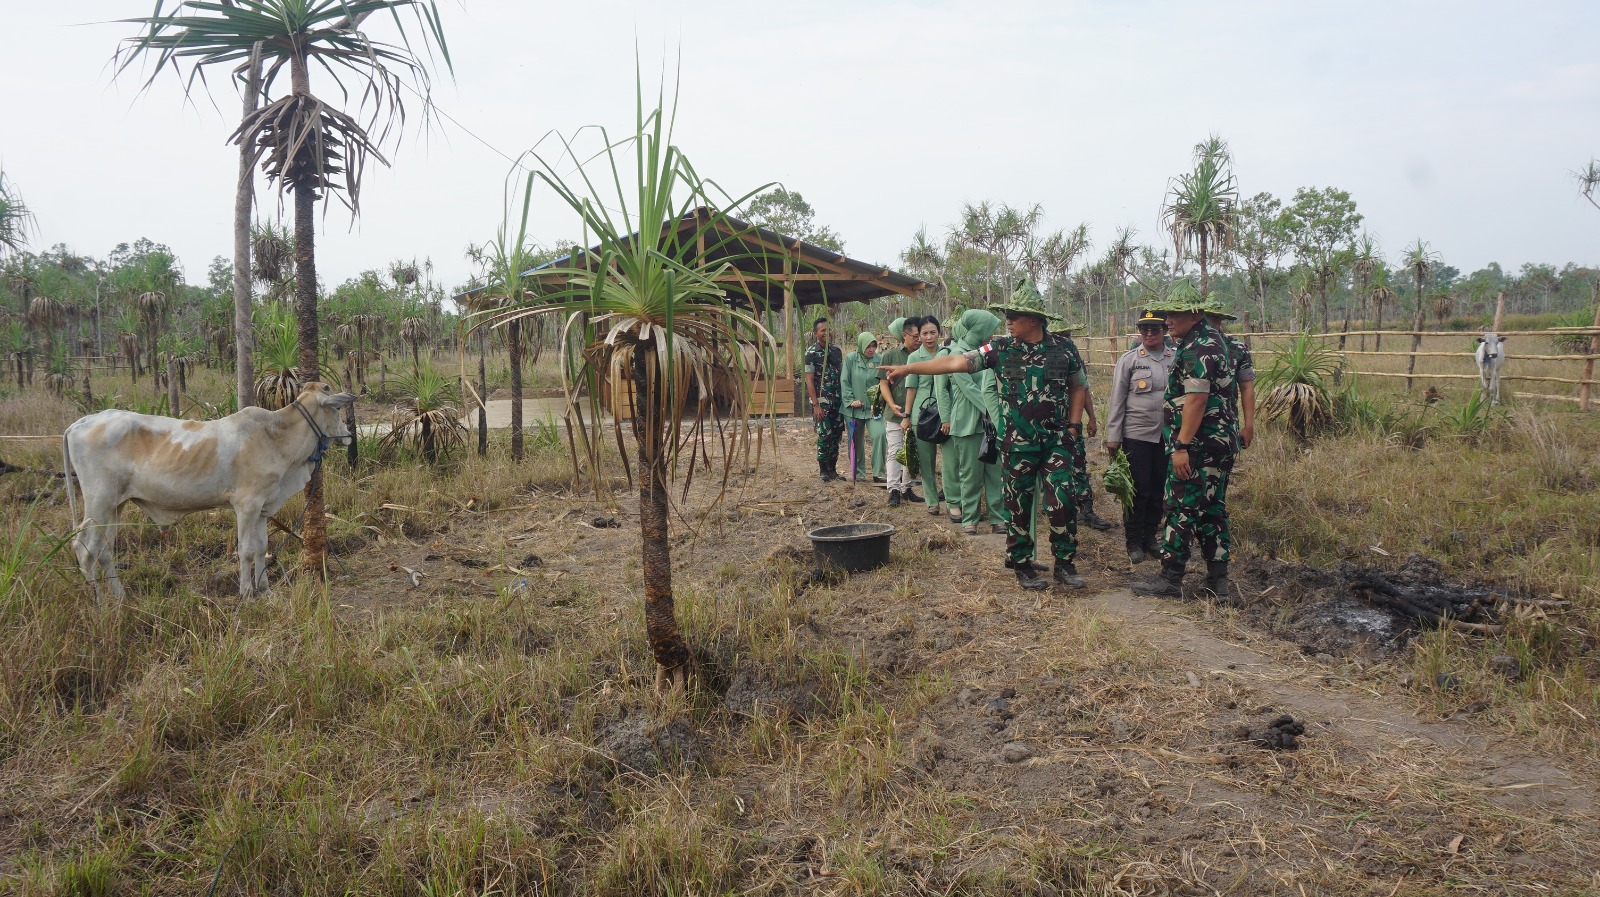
pixel 852 547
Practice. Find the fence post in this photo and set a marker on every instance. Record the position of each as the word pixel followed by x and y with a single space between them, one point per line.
pixel 1594 349
pixel 1499 309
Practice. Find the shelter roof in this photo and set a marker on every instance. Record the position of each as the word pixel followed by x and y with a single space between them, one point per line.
pixel 770 262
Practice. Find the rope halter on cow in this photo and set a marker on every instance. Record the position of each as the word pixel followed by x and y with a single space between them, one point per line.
pixel 323 439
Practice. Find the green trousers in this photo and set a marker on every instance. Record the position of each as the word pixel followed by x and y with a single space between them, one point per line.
pixel 975 483
pixel 928 458
pixel 878 428
pixel 869 457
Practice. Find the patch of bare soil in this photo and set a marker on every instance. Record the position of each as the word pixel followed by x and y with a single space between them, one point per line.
pixel 1144 733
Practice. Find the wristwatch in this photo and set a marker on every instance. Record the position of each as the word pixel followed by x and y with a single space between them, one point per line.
pixel 1182 446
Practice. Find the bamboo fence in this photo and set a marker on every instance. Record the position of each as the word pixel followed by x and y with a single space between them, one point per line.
pixel 1103 352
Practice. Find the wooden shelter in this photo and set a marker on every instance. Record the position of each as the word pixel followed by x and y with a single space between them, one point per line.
pixel 773 274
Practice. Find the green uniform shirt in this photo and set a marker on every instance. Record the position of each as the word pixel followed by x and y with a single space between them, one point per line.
pixel 1203 365
pixel 1035 383
pixel 826 362
pixel 922 383
pixel 896 356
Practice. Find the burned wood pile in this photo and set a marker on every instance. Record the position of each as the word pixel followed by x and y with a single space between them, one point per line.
pixel 1419 591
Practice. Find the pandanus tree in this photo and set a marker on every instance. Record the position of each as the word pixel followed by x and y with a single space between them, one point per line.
pixel 1420 261
pixel 1201 211
pixel 1365 258
pixel 508 259
pixel 414 331
pixel 1381 294
pixel 46 316
pixel 647 306
pixel 15 219
pixel 306 146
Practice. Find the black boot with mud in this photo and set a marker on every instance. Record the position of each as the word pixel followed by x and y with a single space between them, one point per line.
pixel 1030 579
pixel 1167 584
pixel 1066 575
pixel 1136 554
pixel 1089 518
pixel 1217 580
pixel 894 499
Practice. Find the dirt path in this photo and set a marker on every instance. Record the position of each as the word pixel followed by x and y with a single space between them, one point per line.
pixel 1123 725
pixel 1507 772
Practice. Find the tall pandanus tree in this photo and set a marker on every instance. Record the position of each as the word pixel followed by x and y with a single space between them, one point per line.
pixel 15 218
pixel 153 307
pixel 1201 211
pixel 1381 294
pixel 46 316
pixel 1420 261
pixel 414 331
pixel 508 260
pixel 646 306
pixel 305 145
pixel 1365 258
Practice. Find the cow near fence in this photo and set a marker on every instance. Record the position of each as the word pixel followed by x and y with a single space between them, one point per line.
pixel 1490 356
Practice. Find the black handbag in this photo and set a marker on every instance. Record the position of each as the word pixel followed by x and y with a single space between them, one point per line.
pixel 929 427
pixel 989 443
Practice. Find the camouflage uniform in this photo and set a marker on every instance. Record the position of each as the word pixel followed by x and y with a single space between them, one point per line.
pixel 1082 494
pixel 1035 383
pixel 1195 507
pixel 827 362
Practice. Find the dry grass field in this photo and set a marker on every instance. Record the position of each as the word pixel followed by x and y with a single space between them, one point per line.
pixel 466 707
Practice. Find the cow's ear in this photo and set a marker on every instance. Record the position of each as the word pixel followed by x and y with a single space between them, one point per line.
pixel 1480 339
pixel 337 400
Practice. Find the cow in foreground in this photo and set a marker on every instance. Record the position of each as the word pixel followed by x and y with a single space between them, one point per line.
pixel 1491 355
pixel 251 461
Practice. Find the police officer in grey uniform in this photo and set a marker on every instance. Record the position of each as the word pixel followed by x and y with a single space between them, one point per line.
pixel 1133 424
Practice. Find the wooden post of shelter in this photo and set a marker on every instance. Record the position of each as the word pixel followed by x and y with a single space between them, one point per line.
pixel 1594 349
pixel 791 330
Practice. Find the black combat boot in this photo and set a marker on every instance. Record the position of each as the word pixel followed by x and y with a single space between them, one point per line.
pixel 1089 518
pixel 894 499
pixel 1030 578
pixel 828 474
pixel 1136 554
pixel 1167 584
pixel 1217 579
pixel 1067 575
pixel 1023 565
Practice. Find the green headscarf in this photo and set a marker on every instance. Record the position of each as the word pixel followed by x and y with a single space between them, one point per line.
pixel 897 332
pixel 863 340
pixel 977 325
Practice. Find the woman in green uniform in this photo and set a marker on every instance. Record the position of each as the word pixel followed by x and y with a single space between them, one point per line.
pixel 858 385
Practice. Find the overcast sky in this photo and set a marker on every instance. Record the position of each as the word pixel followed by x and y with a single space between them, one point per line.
pixel 1456 122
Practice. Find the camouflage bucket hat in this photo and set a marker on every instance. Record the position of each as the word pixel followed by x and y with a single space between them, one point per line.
pixel 1183 297
pixel 1026 300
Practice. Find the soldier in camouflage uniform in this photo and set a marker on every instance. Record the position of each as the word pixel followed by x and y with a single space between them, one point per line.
pixel 1042 389
pixel 1082 486
pixel 1244 407
pixel 823 365
pixel 1200 437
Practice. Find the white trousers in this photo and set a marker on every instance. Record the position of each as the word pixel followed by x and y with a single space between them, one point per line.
pixel 894 438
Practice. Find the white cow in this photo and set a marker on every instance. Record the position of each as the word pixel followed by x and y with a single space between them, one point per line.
pixel 251 461
pixel 1491 355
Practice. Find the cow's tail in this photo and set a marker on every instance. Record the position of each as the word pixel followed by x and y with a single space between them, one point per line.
pixel 66 471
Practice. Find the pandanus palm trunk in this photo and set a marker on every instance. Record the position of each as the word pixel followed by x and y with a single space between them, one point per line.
pixel 1416 336
pixel 660 617
pixel 483 394
pixel 244 197
pixel 514 334
pixel 315 536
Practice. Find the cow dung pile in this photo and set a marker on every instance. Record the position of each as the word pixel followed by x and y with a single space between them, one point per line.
pixel 1282 734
